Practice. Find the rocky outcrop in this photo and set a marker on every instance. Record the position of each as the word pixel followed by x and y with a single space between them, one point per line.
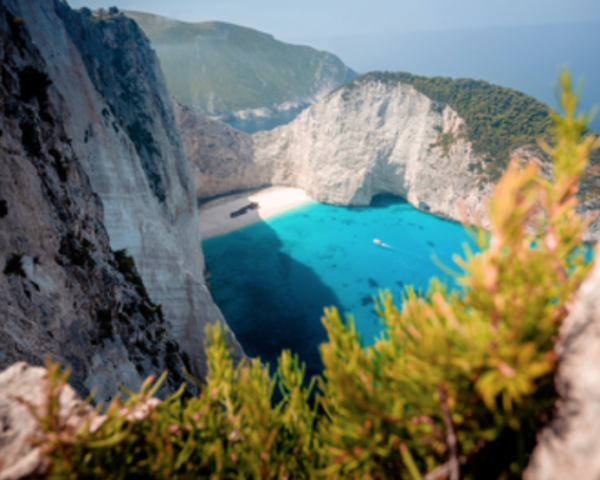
pixel 372 139
pixel 62 291
pixel 22 386
pixel 120 125
pixel 569 447
pixel 369 137
pixel 221 158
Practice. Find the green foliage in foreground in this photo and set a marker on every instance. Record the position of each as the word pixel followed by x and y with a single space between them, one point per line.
pixel 238 68
pixel 454 388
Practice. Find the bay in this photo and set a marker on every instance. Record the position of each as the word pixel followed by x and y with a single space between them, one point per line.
pixel 272 279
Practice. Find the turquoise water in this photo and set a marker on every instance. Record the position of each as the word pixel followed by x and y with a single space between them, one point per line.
pixel 272 279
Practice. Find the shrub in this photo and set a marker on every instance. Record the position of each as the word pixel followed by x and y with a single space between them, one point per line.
pixel 455 386
pixel 88 246
pixel 126 265
pixel 445 141
pixel 85 11
pixel 34 84
pixel 147 312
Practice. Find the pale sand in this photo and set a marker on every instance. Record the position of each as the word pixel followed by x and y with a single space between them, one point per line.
pixel 214 216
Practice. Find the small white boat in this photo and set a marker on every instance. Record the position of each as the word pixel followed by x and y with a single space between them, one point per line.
pixel 376 241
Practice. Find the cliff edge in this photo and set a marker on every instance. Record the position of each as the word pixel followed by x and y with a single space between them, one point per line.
pixel 64 293
pixel 430 141
pixel 118 122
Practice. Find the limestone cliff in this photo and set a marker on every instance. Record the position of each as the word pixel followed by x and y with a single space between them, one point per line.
pixel 569 446
pixel 369 137
pixel 373 139
pixel 118 118
pixel 63 292
pixel 221 158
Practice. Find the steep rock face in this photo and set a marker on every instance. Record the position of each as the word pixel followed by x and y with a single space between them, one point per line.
pixel 569 447
pixel 221 158
pixel 369 137
pixel 61 291
pixel 373 139
pixel 118 115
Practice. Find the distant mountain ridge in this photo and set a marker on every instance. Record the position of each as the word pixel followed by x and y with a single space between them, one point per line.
pixel 229 71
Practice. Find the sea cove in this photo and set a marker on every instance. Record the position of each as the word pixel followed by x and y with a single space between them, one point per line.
pixel 272 279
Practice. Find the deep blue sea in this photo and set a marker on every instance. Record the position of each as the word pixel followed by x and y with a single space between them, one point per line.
pixel 272 279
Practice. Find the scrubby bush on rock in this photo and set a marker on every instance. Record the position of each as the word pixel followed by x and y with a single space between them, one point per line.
pixel 455 387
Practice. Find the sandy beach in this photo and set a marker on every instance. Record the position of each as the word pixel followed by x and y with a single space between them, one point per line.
pixel 215 219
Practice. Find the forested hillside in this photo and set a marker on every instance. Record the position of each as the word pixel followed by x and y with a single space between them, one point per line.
pixel 499 120
pixel 218 67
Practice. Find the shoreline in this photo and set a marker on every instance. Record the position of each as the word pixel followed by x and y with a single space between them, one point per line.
pixel 214 215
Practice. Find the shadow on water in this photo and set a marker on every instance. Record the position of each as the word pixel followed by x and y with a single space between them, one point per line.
pixel 270 300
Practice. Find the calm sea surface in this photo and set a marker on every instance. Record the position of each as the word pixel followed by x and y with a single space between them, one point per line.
pixel 272 279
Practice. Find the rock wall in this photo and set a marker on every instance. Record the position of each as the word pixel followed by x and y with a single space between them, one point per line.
pixel 354 144
pixel 221 158
pixel 366 138
pixel 370 140
pixel 119 119
pixel 569 447
pixel 61 291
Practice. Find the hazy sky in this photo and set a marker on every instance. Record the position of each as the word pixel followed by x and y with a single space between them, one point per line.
pixel 288 19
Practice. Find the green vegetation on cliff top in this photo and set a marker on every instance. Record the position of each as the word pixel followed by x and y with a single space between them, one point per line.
pixel 499 120
pixel 218 67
